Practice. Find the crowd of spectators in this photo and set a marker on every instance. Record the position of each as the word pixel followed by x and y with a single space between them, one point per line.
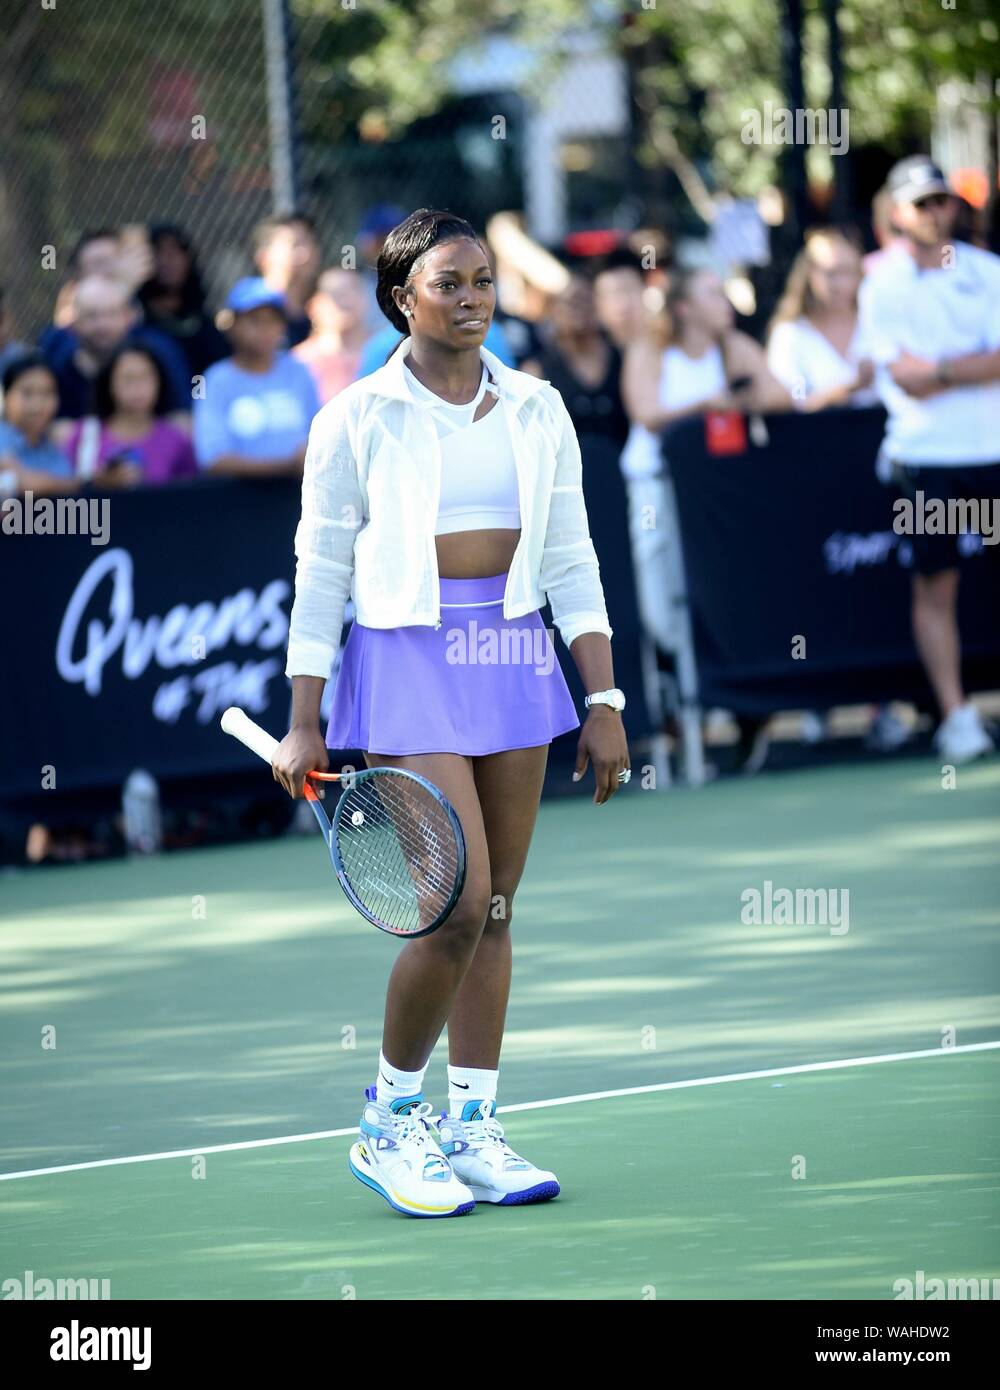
pixel 135 360
pixel 137 381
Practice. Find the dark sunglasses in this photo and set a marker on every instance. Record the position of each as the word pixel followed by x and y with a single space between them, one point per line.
pixel 933 200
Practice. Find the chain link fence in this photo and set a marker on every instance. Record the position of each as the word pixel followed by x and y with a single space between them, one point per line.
pixel 130 113
pixel 213 114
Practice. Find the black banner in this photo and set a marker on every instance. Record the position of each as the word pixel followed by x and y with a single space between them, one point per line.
pixel 124 653
pixel 794 540
pixel 607 515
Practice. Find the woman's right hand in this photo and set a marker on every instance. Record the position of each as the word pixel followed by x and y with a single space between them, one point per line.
pixel 302 750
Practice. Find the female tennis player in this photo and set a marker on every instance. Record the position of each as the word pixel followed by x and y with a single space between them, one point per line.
pixel 443 493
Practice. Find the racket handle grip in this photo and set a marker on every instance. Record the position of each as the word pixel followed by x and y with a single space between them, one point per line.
pixel 241 726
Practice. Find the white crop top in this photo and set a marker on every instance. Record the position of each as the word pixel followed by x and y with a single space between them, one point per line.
pixel 478 474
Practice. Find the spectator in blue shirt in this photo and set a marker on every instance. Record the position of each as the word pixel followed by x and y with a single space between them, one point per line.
pixel 29 460
pixel 254 419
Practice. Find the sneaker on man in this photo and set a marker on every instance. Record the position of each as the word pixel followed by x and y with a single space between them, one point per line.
pixel 961 737
pixel 887 732
pixel 398 1157
pixel 481 1157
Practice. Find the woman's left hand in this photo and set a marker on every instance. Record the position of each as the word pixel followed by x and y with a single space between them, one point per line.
pixel 602 742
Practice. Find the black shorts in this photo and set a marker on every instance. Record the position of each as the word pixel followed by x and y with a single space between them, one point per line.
pixel 935 552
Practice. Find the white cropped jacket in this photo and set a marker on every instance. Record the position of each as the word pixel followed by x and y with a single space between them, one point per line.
pixel 369 506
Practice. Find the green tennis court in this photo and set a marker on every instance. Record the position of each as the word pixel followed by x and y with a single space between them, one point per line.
pixel 228 997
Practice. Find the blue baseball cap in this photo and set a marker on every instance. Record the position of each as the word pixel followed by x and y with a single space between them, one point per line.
pixel 253 292
pixel 380 218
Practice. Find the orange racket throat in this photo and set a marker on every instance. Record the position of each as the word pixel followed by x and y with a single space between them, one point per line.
pixel 310 792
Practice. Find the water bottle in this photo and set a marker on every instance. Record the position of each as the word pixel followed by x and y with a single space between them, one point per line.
pixel 141 812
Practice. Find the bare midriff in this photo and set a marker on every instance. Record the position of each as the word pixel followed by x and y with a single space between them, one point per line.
pixel 476 554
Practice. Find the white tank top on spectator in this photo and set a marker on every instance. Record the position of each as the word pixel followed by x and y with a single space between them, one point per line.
pixel 804 360
pixel 478 473
pixel 683 381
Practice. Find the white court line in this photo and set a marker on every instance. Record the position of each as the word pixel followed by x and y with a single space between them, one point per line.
pixel 526 1105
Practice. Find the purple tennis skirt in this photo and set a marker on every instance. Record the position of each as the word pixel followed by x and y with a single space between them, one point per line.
pixel 478 684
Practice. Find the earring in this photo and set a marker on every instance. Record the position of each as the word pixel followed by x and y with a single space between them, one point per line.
pixel 408 313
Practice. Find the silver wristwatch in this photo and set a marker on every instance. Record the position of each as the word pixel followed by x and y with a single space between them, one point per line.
pixel 614 698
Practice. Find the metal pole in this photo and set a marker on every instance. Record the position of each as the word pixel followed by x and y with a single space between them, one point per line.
pixel 992 165
pixel 841 163
pixel 280 105
pixel 795 155
pixel 635 200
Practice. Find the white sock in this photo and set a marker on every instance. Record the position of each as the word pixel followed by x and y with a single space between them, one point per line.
pixel 470 1083
pixel 394 1084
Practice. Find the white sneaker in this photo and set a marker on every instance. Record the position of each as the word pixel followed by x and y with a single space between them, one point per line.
pixel 482 1158
pixel 398 1157
pixel 961 737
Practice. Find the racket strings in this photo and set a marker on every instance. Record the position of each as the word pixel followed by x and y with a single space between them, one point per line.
pixel 402 862
pixel 398 848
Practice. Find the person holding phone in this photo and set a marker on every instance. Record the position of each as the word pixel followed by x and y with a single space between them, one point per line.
pixel 694 360
pixel 127 441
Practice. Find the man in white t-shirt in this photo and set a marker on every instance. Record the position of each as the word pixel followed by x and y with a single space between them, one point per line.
pixel 930 318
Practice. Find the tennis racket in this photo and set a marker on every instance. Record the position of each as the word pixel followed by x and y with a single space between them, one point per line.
pixel 395 839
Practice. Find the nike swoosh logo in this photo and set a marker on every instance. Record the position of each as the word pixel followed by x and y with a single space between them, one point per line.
pixel 386 1079
pixel 460 1086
